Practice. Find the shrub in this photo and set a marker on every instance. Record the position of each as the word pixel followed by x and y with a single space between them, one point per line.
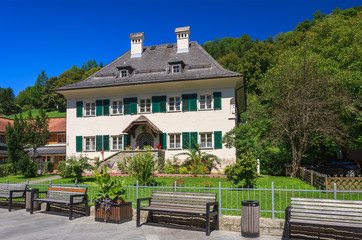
pixel 169 169
pixel 244 171
pixel 74 167
pixel 123 166
pixel 61 166
pixel 142 166
pixel 183 170
pixel 7 169
pixel 48 167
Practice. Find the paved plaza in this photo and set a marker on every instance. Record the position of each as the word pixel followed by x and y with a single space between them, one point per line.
pixel 20 225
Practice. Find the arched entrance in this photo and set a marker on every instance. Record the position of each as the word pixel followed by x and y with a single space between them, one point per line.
pixel 144 139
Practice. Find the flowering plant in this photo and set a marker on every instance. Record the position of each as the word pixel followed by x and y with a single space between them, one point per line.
pixel 128 147
pixel 158 146
pixel 110 193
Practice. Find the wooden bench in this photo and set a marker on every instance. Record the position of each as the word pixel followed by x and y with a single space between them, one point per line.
pixel 62 195
pixel 11 191
pixel 190 203
pixel 341 214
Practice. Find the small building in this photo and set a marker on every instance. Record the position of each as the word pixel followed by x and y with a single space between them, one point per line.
pixel 54 150
pixel 166 96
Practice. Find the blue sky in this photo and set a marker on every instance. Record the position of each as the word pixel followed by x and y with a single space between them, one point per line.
pixel 56 34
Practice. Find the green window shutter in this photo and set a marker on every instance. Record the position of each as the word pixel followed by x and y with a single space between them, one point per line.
pixel 80 109
pixel 155 104
pixel 106 107
pixel 193 102
pixel 106 142
pixel 185 140
pixel 125 141
pixel 185 102
pixel 133 106
pixel 193 140
pixel 163 100
pixel 217 139
pixel 99 143
pixel 99 107
pixel 79 143
pixel 164 141
pixel 217 100
pixel 126 103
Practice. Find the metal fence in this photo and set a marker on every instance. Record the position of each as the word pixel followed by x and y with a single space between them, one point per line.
pixel 272 200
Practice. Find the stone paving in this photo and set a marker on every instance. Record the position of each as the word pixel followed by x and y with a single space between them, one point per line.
pixel 20 225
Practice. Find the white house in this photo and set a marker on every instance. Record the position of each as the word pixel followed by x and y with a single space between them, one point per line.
pixel 170 95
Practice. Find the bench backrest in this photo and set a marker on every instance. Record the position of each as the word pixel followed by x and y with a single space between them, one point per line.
pixel 347 211
pixel 63 192
pixel 182 199
pixel 5 189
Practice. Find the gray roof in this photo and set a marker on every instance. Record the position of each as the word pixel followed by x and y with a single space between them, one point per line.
pixel 154 66
pixel 48 150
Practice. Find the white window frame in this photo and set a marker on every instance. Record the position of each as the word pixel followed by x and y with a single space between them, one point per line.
pixel 123 73
pixel 174 67
pixel 92 141
pixel 92 111
pixel 205 95
pixel 174 105
pixel 173 141
pixel 119 108
pixel 207 145
pixel 119 139
pixel 145 105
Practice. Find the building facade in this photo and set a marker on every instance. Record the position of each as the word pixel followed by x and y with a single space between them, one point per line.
pixel 167 96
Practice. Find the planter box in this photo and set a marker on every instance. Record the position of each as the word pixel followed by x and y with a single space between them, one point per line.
pixel 118 213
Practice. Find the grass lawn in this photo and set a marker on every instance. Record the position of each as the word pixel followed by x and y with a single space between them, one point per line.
pixel 19 178
pixel 35 112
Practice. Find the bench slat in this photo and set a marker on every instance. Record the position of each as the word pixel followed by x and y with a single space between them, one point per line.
pixel 326 200
pixel 325 216
pixel 301 211
pixel 185 193
pixel 329 208
pixel 334 222
pixel 295 203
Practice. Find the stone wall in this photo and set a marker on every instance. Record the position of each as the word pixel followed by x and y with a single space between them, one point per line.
pixel 268 226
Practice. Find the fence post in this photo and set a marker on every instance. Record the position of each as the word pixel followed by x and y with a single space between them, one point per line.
pixel 220 197
pixel 7 181
pixel 137 190
pixel 50 182
pixel 273 213
pixel 311 177
pixel 75 182
pixel 27 182
pixel 335 190
pixel 175 186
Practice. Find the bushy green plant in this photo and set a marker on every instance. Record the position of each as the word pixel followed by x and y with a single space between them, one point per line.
pixel 74 167
pixel 7 169
pixel 48 167
pixel 123 166
pixel 168 169
pixel 109 188
pixel 142 167
pixel 244 171
pixel 183 170
pixel 198 162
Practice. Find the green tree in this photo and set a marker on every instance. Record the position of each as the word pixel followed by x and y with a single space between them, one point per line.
pixel 7 101
pixel 304 104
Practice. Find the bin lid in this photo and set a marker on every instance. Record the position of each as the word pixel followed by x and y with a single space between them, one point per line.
pixel 250 203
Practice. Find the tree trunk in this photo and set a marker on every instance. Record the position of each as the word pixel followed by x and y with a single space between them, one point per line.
pixel 296 163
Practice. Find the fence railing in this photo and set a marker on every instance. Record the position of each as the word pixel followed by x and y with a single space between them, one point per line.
pixel 272 200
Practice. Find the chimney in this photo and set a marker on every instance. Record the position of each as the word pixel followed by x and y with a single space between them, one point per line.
pixel 137 44
pixel 183 34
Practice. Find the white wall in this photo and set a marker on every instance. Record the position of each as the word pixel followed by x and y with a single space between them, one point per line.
pixel 169 122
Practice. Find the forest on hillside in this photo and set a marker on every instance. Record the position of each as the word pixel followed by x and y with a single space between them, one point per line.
pixel 303 89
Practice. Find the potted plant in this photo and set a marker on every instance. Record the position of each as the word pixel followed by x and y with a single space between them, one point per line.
pixel 110 200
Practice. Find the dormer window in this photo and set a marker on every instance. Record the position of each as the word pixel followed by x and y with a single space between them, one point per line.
pixel 123 73
pixel 176 68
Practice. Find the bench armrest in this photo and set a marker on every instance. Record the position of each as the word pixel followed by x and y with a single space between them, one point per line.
pixel 17 190
pixel 215 204
pixel 139 200
pixel 79 195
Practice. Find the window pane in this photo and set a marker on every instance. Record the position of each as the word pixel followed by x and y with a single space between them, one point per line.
pixel 209 102
pixel 178 103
